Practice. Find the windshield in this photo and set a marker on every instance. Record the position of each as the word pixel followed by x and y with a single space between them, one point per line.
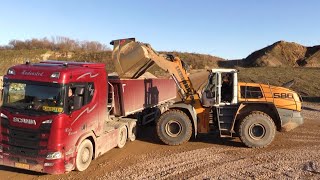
pixel 42 97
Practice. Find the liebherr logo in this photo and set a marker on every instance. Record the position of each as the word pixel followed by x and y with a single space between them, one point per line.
pixel 25 121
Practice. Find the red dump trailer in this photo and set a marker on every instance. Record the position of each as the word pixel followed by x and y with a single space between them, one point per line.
pixel 57 116
pixel 135 95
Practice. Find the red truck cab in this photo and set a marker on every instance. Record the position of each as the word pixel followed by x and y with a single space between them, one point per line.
pixel 54 117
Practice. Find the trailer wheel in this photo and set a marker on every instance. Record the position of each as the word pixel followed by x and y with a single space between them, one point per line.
pixel 257 130
pixel 132 130
pixel 174 127
pixel 84 155
pixel 122 136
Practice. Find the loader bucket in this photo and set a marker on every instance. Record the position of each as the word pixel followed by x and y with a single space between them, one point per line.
pixel 130 58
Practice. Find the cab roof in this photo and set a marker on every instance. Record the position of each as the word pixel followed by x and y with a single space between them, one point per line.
pixel 68 63
pixel 44 70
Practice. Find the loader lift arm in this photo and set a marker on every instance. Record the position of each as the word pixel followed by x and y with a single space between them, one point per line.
pixel 132 59
pixel 143 57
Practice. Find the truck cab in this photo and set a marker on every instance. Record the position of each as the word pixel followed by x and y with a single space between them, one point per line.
pixel 54 117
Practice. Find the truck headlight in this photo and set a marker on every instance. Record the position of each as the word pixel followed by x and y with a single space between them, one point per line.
pixel 46 125
pixel 54 155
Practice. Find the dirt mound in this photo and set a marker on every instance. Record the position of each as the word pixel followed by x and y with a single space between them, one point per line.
pixel 284 54
pixel 312 58
pixel 278 54
pixel 147 75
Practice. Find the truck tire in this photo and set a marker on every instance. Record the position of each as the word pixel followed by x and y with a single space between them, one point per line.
pixel 257 130
pixel 122 136
pixel 174 127
pixel 84 155
pixel 132 130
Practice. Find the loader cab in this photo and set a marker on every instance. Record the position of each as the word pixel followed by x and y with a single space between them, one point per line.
pixel 221 88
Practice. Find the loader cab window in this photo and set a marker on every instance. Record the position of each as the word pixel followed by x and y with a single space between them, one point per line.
pixel 78 95
pixel 219 89
pixel 226 87
pixel 251 92
pixel 210 91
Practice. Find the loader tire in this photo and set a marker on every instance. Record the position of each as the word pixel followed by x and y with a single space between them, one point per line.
pixel 257 130
pixel 174 127
pixel 84 155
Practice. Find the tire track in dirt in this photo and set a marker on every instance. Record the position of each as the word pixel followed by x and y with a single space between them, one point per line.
pixel 225 163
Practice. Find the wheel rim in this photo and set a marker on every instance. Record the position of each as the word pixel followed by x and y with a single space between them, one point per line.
pixel 173 128
pixel 85 155
pixel 257 131
pixel 121 136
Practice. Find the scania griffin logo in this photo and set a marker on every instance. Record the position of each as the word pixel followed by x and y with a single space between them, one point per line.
pixel 25 121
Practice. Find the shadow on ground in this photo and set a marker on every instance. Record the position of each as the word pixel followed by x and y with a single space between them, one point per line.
pixel 149 134
pixel 21 171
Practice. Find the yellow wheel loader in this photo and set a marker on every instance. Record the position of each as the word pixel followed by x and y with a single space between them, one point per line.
pixel 252 111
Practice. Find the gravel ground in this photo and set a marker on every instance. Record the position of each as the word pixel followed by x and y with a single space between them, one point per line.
pixel 216 162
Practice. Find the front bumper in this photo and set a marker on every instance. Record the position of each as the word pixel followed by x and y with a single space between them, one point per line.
pixel 42 165
pixel 289 119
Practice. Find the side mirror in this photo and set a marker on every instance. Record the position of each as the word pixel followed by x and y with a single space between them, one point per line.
pixel 78 101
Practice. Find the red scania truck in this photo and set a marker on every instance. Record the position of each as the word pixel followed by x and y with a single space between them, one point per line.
pixel 57 116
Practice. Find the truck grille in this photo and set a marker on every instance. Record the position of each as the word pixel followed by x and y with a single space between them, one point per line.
pixel 24 142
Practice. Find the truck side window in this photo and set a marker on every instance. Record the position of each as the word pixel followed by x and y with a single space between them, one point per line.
pixel 79 94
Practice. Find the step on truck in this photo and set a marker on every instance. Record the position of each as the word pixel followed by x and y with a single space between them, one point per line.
pixel 57 116
pixel 252 111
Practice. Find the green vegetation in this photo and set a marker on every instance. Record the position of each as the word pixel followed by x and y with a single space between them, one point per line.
pixel 11 57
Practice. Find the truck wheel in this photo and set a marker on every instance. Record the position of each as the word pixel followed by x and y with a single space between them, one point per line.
pixel 84 155
pixel 174 127
pixel 257 130
pixel 122 136
pixel 132 130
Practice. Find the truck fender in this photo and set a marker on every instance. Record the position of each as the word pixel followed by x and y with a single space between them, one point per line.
pixel 191 112
pixel 85 136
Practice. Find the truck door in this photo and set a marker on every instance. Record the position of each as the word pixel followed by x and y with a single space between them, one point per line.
pixel 82 107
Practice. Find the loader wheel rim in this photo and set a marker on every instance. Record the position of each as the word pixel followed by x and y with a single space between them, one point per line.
pixel 173 128
pixel 257 131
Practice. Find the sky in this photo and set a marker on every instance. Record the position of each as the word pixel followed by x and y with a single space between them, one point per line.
pixel 229 29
